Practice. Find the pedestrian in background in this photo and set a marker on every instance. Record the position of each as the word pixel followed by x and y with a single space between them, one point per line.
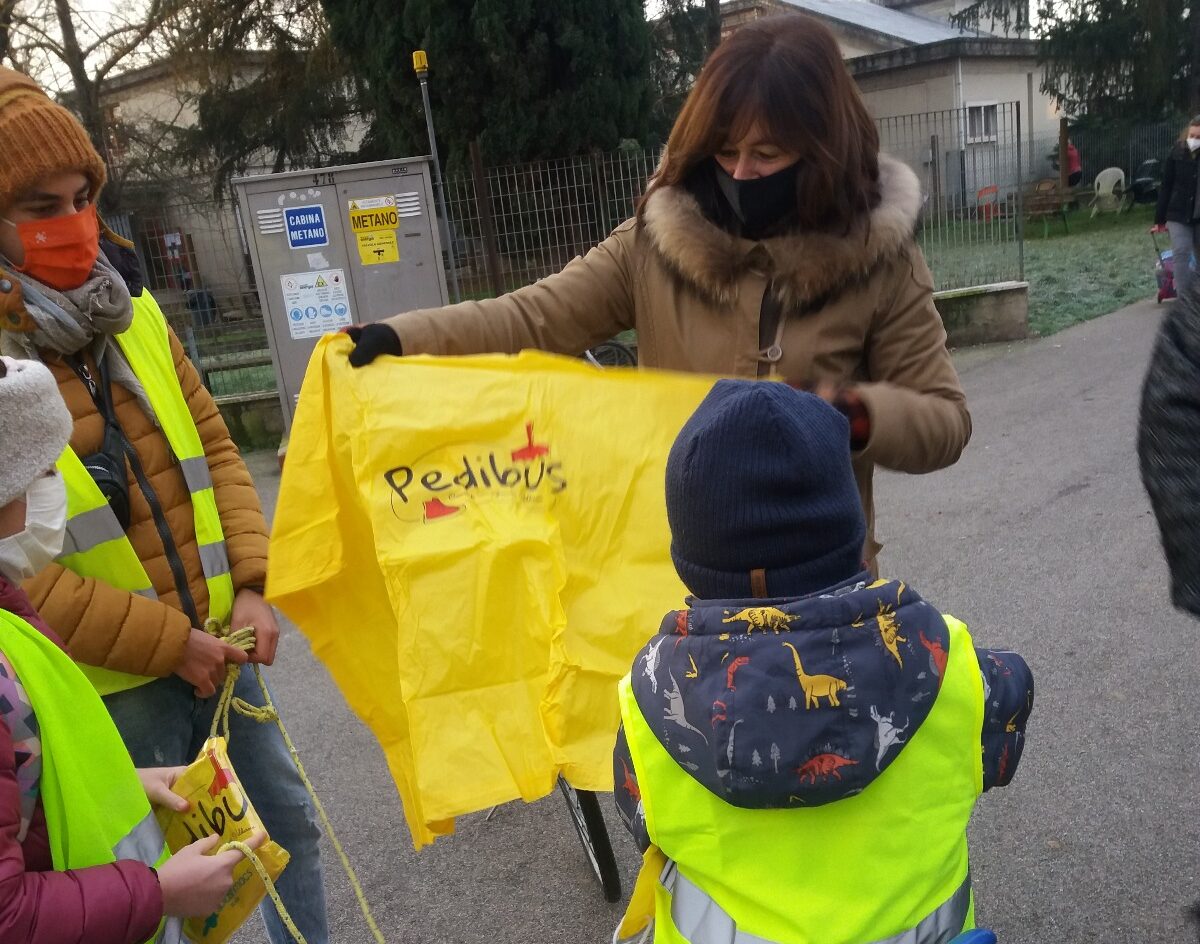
pixel 1074 165
pixel 1178 207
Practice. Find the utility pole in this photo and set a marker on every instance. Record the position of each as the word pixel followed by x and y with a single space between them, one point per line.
pixel 421 67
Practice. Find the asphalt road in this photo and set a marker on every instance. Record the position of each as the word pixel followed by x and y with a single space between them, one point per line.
pixel 1042 540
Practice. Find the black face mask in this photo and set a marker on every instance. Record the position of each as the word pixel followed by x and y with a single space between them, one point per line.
pixel 762 202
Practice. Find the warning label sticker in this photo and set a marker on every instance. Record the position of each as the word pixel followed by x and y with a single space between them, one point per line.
pixel 316 302
pixel 378 247
pixel 371 214
pixel 373 203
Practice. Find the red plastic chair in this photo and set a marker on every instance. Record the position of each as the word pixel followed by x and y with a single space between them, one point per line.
pixel 987 209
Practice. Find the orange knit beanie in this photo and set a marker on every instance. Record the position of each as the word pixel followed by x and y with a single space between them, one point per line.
pixel 40 138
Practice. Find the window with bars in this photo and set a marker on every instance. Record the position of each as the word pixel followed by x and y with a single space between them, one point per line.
pixel 168 254
pixel 981 122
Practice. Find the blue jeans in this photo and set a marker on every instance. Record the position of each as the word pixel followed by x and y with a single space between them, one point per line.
pixel 1182 247
pixel 164 724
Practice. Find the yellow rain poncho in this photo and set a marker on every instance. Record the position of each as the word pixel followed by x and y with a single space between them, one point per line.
pixel 477 547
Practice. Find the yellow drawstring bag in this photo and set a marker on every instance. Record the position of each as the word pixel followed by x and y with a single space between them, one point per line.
pixel 219 805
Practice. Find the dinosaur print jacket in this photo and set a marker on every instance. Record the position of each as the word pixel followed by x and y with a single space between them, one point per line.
pixel 725 686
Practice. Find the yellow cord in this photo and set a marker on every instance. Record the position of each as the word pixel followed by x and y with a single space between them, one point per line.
pixel 263 874
pixel 244 639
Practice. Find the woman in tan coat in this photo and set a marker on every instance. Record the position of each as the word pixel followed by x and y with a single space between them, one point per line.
pixel 774 240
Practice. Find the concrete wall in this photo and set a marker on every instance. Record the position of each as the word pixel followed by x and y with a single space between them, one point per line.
pixel 986 314
pixel 931 87
pixel 254 423
pixel 169 99
pixel 166 100
pixel 852 46
pixel 909 90
pixel 1007 80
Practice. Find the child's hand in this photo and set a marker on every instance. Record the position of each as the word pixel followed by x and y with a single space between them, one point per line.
pixel 195 882
pixel 157 782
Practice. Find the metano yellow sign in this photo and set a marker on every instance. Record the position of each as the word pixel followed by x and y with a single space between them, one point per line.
pixel 373 213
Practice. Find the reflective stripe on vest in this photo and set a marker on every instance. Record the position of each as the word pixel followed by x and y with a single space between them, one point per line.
pixel 95 544
pixel 700 920
pixel 143 842
pixel 171 932
pixel 746 876
pixel 95 806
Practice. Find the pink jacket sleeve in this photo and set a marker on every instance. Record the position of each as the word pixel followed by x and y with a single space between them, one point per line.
pixel 107 904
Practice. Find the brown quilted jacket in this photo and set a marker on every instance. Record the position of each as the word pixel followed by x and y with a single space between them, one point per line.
pixel 856 310
pixel 113 628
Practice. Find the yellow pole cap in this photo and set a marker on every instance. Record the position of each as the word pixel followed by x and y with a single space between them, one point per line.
pixel 420 61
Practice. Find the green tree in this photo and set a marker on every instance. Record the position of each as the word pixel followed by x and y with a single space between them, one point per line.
pixel 1120 60
pixel 999 17
pixel 267 87
pixel 681 37
pixel 530 79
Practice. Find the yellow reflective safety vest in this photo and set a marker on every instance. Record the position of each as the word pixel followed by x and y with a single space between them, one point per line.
pixel 95 544
pixel 842 873
pixel 96 810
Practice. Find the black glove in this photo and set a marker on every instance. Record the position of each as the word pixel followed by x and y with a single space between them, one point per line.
pixel 370 341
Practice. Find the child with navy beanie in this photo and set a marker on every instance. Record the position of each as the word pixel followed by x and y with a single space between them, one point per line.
pixel 801 745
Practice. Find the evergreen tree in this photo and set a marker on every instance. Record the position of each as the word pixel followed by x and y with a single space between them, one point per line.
pixel 1121 59
pixel 270 90
pixel 681 37
pixel 1108 60
pixel 530 79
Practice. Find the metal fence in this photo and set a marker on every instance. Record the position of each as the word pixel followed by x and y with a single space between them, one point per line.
pixel 512 225
pixel 544 214
pixel 969 164
pixel 1099 148
pixel 197 264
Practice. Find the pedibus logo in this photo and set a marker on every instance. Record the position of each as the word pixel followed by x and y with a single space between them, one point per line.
pixel 441 488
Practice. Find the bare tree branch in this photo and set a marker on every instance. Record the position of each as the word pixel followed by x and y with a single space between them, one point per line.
pixel 7 11
pixel 104 39
pixel 158 13
pixel 43 39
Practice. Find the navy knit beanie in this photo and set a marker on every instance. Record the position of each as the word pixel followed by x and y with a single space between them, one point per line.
pixel 760 479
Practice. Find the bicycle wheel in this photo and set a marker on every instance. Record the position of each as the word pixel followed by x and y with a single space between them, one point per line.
pixel 612 354
pixel 584 808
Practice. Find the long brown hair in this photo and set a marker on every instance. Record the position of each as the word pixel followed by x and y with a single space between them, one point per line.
pixel 784 74
pixel 1194 123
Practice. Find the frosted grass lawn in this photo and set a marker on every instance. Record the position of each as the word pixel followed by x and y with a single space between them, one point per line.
pixel 1104 264
pixel 1101 265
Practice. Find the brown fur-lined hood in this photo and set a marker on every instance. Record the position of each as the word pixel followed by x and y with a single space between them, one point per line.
pixel 806 267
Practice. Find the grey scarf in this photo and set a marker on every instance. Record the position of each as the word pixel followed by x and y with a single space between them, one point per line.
pixel 85 317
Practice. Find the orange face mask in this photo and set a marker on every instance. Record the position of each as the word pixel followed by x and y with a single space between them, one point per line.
pixel 62 251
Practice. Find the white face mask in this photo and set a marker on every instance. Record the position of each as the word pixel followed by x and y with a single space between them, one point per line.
pixel 25 554
pixel 1193 143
